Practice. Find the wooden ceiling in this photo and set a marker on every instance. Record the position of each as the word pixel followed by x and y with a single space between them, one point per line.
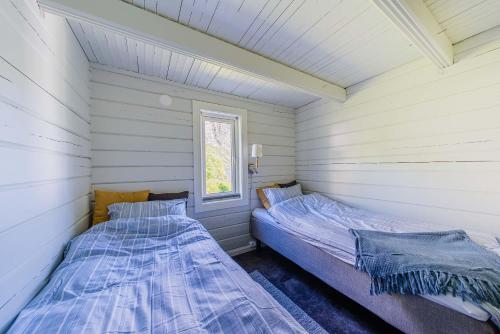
pixel 462 19
pixel 108 48
pixel 342 42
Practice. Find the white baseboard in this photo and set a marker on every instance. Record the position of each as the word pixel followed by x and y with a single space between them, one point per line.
pixel 240 250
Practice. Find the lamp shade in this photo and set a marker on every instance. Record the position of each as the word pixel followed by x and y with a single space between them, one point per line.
pixel 257 151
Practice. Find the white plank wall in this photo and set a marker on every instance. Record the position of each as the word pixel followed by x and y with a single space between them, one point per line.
pixel 413 142
pixel 45 149
pixel 139 144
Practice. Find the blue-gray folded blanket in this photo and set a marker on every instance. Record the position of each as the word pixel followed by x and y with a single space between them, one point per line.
pixel 430 263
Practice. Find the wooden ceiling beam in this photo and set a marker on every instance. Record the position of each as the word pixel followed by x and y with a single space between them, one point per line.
pixel 419 25
pixel 125 19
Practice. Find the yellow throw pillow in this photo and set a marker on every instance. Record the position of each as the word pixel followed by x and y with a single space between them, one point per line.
pixel 104 198
pixel 262 196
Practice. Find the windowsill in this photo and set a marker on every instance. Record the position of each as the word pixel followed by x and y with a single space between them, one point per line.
pixel 210 199
pixel 219 203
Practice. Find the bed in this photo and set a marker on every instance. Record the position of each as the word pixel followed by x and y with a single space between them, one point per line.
pixel 150 275
pixel 327 251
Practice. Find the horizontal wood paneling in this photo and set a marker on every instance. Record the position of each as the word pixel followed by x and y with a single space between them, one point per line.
pixel 19 92
pixel 143 159
pixel 232 244
pixel 19 168
pixel 25 280
pixel 140 128
pixel 38 230
pixel 43 196
pixel 227 232
pixel 45 149
pixel 125 142
pixel 115 174
pixel 139 144
pixel 106 108
pixel 412 142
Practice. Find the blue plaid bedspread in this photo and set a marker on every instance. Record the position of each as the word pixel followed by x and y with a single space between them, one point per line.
pixel 430 263
pixel 151 275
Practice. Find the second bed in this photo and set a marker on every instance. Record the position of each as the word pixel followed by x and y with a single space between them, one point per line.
pixel 304 233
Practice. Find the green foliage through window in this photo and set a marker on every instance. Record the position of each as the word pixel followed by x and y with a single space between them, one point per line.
pixel 218 157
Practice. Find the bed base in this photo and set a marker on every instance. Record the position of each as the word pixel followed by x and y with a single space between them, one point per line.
pixel 410 314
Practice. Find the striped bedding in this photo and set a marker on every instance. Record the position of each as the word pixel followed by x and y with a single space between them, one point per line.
pixel 147 209
pixel 151 275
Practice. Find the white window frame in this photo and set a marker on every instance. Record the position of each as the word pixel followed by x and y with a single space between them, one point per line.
pixel 240 195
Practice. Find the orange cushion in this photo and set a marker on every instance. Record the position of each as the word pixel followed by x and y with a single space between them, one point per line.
pixel 262 196
pixel 104 198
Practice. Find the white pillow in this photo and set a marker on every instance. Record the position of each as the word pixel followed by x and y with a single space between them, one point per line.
pixel 278 195
pixel 147 209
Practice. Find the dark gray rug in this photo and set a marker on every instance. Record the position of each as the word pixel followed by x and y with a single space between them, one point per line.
pixel 302 318
pixel 332 310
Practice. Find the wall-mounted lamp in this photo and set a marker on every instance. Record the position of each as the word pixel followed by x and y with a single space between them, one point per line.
pixel 257 154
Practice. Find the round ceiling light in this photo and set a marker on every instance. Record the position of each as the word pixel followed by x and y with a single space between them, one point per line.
pixel 166 100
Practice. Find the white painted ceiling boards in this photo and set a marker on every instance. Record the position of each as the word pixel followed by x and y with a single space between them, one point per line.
pixel 108 48
pixel 462 19
pixel 343 42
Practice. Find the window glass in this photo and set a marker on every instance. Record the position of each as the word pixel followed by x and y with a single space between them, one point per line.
pixel 219 156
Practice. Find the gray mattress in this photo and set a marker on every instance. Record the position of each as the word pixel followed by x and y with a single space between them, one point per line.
pixel 411 314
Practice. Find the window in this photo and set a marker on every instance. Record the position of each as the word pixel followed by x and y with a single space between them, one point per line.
pixel 220 151
pixel 219 156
